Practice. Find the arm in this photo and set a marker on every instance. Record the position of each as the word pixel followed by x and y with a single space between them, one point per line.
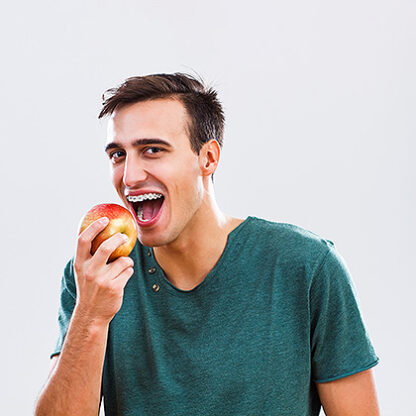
pixel 350 396
pixel 73 387
pixel 74 384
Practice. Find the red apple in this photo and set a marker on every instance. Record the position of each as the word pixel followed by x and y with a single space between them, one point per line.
pixel 121 221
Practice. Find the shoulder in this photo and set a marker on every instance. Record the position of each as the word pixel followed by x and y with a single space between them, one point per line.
pixel 288 238
pixel 68 279
pixel 288 247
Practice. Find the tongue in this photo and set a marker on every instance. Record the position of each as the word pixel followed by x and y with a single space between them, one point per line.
pixel 151 208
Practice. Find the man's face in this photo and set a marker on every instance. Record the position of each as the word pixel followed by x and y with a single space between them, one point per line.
pixel 150 153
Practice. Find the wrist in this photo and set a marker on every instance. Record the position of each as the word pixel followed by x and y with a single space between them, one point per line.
pixel 86 319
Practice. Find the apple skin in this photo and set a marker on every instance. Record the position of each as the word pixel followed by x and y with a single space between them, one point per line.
pixel 120 221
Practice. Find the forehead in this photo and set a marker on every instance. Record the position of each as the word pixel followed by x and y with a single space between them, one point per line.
pixel 163 118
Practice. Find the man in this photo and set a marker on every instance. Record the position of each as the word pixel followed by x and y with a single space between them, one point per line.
pixel 210 314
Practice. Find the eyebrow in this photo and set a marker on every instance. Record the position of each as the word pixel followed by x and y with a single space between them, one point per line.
pixel 138 142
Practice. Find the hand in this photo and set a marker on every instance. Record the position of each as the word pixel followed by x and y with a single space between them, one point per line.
pixel 100 286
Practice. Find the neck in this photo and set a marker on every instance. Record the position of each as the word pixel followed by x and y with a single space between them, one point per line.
pixel 187 260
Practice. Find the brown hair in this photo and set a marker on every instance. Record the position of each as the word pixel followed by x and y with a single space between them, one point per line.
pixel 201 102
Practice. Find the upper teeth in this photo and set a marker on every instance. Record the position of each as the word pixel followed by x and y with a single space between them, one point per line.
pixel 139 198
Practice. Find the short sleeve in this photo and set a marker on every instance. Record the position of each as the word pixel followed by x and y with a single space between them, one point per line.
pixel 340 345
pixel 66 305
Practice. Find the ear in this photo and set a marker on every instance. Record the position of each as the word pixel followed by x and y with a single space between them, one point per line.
pixel 209 157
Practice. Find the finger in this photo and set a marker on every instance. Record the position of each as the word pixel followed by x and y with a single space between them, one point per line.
pixel 106 248
pixel 85 238
pixel 119 265
pixel 121 280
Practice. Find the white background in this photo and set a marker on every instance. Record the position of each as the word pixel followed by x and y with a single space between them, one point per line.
pixel 320 100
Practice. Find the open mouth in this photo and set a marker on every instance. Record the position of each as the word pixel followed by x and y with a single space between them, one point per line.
pixel 146 207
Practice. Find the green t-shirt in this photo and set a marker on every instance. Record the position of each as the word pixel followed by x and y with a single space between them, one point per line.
pixel 277 313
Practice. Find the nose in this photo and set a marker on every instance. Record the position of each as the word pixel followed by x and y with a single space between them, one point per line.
pixel 134 172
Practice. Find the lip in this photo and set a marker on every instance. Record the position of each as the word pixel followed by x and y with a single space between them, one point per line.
pixel 141 192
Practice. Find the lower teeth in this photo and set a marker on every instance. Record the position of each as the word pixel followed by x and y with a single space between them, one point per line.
pixel 140 215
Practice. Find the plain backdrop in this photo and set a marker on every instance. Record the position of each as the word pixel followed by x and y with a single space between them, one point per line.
pixel 320 100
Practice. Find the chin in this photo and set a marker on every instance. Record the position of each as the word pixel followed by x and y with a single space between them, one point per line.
pixel 157 239
pixel 152 241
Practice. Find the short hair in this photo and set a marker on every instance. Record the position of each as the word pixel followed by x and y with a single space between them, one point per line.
pixel 201 103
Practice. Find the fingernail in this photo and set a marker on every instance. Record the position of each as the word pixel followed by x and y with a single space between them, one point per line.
pixel 125 237
pixel 104 220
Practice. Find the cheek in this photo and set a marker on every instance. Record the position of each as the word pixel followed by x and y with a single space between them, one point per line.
pixel 191 189
pixel 116 176
pixel 189 177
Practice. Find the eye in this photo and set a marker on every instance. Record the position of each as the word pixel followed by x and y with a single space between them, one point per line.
pixel 116 155
pixel 153 150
